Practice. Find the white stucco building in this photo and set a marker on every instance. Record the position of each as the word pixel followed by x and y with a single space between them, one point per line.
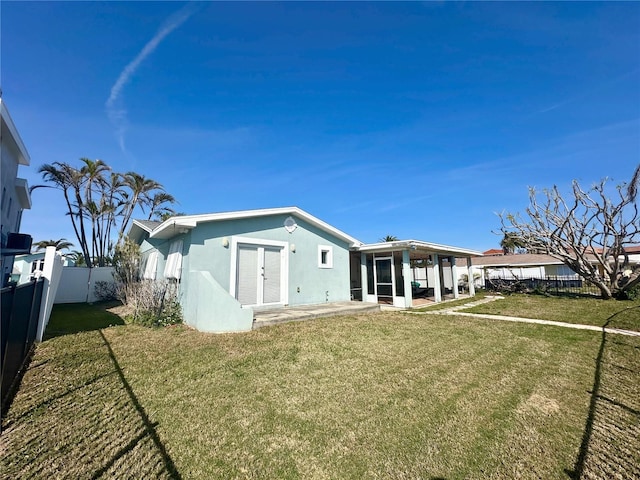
pixel 15 192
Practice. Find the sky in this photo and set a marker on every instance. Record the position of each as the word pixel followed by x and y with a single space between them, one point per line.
pixel 421 120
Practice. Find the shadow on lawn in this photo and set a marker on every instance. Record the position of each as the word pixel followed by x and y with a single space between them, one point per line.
pixel 610 442
pixel 149 427
pixel 78 417
pixel 67 319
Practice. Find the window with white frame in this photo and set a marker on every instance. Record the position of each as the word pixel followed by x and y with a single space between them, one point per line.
pixel 174 261
pixel 325 256
pixel 151 266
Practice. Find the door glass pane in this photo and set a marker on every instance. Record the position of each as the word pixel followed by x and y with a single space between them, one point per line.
pixel 247 287
pixel 271 275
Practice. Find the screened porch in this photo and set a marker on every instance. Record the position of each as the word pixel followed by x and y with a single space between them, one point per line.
pixel 409 273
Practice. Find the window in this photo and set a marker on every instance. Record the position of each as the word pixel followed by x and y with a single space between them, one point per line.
pixel 151 266
pixel 37 265
pixel 325 256
pixel 174 261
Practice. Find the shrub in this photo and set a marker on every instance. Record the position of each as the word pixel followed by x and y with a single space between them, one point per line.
pixel 126 264
pixel 154 303
pixel 631 294
pixel 105 290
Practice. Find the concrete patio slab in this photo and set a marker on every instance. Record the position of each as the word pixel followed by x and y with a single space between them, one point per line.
pixel 264 318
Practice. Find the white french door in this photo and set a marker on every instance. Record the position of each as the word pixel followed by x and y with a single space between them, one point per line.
pixel 260 274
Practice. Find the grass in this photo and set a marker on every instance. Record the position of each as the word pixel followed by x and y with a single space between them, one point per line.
pixel 586 311
pixel 81 317
pixel 388 395
pixel 453 303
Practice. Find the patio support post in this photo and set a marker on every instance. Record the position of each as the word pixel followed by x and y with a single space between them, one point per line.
pixel 472 287
pixel 437 292
pixel 363 276
pixel 454 277
pixel 406 275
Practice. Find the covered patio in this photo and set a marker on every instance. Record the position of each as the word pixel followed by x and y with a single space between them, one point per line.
pixel 409 273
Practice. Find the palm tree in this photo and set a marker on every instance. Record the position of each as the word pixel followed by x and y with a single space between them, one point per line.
pixel 105 200
pixel 111 201
pixel 77 257
pixel 141 188
pixel 71 181
pixel 166 216
pixel 634 185
pixel 159 205
pixel 93 172
pixel 60 244
pixel 511 243
pixel 389 238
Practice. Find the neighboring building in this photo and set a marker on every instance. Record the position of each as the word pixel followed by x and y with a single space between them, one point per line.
pixel 538 266
pixel 28 266
pixel 15 193
pixel 493 252
pixel 520 266
pixel 229 264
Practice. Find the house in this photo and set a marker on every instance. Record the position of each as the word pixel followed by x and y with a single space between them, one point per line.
pixel 539 266
pixel 519 266
pixel 232 263
pixel 15 193
pixel 30 265
pixel 493 252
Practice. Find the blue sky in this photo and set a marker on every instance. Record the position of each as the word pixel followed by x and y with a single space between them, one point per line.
pixel 419 120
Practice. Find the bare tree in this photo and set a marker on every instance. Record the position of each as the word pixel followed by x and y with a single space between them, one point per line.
pixel 588 231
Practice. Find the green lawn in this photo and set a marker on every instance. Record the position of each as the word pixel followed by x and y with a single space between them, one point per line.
pixel 587 311
pixel 389 395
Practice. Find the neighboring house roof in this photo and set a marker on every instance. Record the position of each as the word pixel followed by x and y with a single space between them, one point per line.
pixel 182 224
pixel 494 251
pixel 416 245
pixel 520 260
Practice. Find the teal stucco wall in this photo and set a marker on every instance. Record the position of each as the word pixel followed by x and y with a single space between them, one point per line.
pixel 308 284
pixel 207 256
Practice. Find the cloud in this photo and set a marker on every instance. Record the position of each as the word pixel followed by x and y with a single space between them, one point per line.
pixel 116 111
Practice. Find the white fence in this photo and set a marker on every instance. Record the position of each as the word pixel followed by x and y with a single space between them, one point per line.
pixel 77 284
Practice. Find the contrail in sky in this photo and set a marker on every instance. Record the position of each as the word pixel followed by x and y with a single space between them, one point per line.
pixel 115 110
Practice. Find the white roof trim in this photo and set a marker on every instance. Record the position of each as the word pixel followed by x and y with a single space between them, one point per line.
pixel 418 244
pixel 23 155
pixel 176 225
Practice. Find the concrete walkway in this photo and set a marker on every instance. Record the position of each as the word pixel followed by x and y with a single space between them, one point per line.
pixel 263 318
pixel 457 311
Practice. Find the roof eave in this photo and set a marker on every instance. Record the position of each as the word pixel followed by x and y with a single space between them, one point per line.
pixel 417 245
pixel 23 154
pixel 177 225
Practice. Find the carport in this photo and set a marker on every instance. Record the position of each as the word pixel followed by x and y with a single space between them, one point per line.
pixel 408 273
